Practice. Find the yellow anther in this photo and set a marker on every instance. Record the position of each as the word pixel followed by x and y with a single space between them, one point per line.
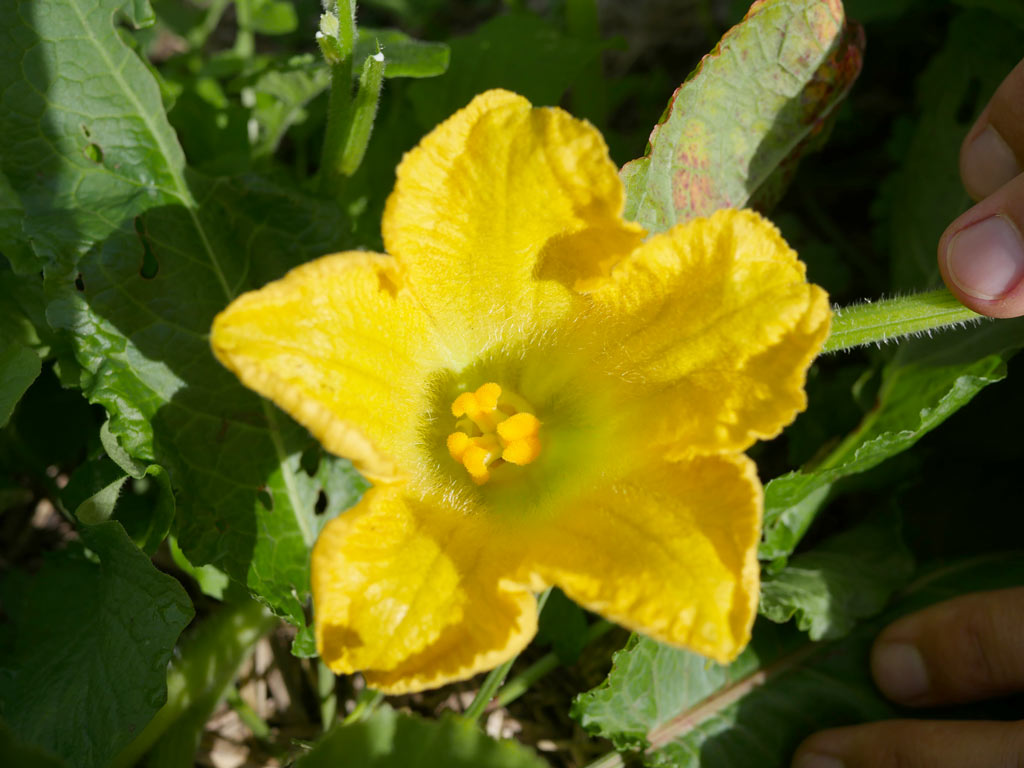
pixel 458 442
pixel 464 405
pixel 487 396
pixel 522 451
pixel 493 426
pixel 518 426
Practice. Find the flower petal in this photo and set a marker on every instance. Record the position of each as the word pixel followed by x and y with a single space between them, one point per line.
pixel 492 195
pixel 342 347
pixel 671 553
pixel 414 595
pixel 717 319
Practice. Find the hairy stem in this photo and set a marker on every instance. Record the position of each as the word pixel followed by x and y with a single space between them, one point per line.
pixel 889 319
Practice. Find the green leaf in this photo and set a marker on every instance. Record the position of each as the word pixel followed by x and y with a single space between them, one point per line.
pixel 86 144
pixel 754 713
pixel 245 504
pixel 16 753
pixel 1011 10
pixel 212 581
pixel 925 194
pixel 404 56
pixel 927 381
pixel 19 366
pixel 846 578
pixel 651 683
pixel 563 625
pixel 390 739
pixel 274 17
pixel 733 132
pixel 13 243
pixel 282 92
pixel 91 493
pixel 494 56
pixel 92 637
pixel 202 673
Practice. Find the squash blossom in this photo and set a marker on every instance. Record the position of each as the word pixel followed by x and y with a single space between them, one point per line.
pixel 541 394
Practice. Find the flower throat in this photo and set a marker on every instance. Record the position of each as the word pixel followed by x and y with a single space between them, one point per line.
pixel 493 427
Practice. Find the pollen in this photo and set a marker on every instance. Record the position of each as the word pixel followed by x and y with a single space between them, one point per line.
pixel 493 427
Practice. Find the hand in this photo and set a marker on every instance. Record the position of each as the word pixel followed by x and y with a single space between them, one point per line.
pixel 981 254
pixel 965 649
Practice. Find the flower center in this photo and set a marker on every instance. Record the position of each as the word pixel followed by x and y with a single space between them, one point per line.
pixel 493 426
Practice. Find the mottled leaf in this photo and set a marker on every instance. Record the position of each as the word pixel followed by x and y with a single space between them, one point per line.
pixel 390 739
pixel 733 132
pixel 92 637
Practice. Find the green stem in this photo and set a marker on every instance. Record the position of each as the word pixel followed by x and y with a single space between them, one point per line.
pixel 365 704
pixel 522 682
pixel 209 661
pixel 888 319
pixel 490 687
pixel 325 692
pixel 363 113
pixel 337 38
pixel 245 39
pixel 497 676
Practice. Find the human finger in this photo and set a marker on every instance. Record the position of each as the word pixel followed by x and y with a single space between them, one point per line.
pixel 965 649
pixel 993 150
pixel 915 744
pixel 981 254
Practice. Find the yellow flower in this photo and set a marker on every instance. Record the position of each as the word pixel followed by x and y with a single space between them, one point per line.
pixel 541 394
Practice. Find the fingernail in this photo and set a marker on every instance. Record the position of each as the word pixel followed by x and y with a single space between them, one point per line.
pixel 815 760
pixel 899 671
pixel 988 163
pixel 986 260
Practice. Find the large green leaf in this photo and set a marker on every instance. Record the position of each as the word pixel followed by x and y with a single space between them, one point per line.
pixel 245 503
pixel 846 578
pixel 927 381
pixel 691 713
pixel 161 252
pixel 733 132
pixel 390 739
pixel 925 194
pixel 86 143
pixel 92 635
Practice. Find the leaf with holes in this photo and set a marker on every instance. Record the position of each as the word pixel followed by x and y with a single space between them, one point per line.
pixel 245 502
pixel 734 131
pixel 87 145
pixel 101 178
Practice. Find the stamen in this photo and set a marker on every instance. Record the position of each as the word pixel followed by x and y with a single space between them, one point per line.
pixel 493 426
